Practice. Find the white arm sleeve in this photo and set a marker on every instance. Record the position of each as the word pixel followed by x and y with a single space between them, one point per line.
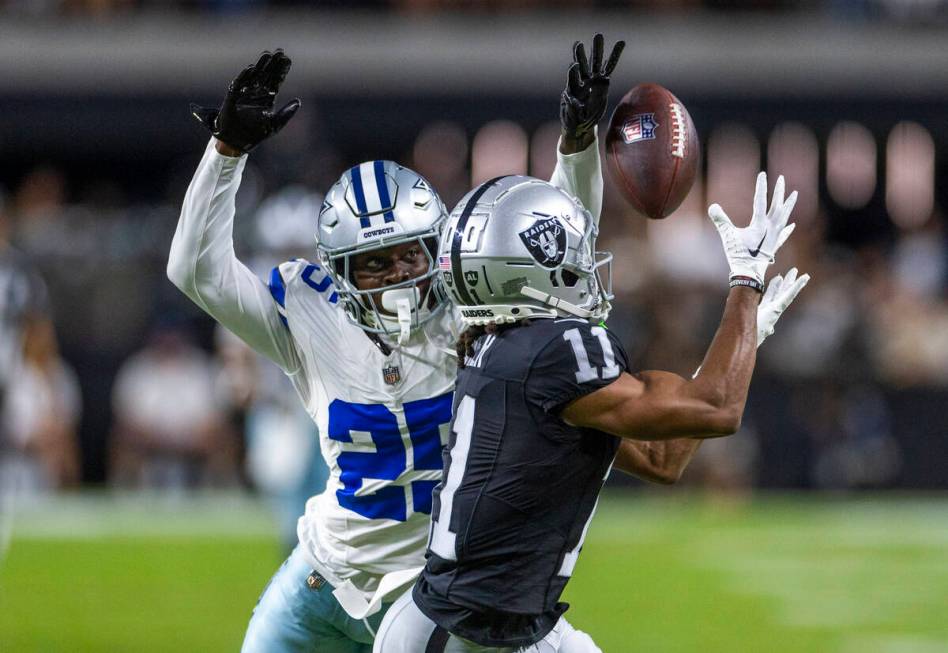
pixel 580 175
pixel 204 267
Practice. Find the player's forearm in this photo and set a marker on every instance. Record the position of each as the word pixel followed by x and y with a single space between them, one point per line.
pixel 724 377
pixel 579 172
pixel 203 241
pixel 657 461
pixel 711 404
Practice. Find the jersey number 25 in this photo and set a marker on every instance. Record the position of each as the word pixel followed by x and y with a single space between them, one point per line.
pixel 424 419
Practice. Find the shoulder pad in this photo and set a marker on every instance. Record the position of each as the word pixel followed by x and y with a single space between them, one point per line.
pixel 579 358
pixel 311 276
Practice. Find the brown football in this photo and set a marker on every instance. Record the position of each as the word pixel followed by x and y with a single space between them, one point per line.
pixel 652 150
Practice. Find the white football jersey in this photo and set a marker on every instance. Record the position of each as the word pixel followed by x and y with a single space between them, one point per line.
pixel 382 418
pixel 382 421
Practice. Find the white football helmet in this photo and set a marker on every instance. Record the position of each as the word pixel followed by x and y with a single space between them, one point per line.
pixel 516 248
pixel 374 205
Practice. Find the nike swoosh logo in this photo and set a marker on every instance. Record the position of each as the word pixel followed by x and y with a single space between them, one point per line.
pixel 755 252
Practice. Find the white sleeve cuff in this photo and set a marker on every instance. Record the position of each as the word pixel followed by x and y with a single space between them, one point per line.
pixel 584 157
pixel 223 159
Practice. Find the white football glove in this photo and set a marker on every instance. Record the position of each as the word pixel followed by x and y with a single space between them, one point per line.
pixel 781 292
pixel 750 250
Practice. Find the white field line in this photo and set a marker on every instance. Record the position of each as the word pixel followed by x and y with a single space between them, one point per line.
pixel 837 590
pixel 886 643
pixel 836 564
pixel 90 516
pixel 866 521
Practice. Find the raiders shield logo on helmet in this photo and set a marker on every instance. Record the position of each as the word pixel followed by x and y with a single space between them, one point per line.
pixel 546 242
pixel 471 277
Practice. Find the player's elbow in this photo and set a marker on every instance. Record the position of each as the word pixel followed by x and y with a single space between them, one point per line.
pixel 724 421
pixel 667 476
pixel 719 415
pixel 176 273
pixel 179 273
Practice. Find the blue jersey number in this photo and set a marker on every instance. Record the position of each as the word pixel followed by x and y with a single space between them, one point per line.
pixel 319 286
pixel 423 418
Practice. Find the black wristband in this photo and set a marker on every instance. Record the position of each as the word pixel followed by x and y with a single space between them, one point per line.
pixel 748 282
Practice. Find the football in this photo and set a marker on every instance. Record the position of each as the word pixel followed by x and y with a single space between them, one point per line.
pixel 652 150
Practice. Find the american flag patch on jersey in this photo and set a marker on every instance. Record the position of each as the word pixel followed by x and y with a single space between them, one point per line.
pixel 640 127
pixel 444 262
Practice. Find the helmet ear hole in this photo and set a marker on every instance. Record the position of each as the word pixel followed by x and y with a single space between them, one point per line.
pixel 570 279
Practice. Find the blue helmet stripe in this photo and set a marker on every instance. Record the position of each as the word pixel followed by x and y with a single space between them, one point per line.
pixel 383 190
pixel 356 177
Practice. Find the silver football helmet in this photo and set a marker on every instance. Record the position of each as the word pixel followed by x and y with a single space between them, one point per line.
pixel 374 205
pixel 516 248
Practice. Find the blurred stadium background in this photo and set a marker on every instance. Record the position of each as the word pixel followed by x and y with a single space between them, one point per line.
pixel 152 467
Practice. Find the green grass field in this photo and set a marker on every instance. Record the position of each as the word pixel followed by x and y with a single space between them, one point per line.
pixel 685 573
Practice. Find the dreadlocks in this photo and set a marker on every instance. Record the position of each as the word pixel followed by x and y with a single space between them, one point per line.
pixel 465 344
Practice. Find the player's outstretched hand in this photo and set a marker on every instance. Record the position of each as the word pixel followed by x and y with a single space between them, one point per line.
pixel 246 117
pixel 584 100
pixel 781 291
pixel 750 250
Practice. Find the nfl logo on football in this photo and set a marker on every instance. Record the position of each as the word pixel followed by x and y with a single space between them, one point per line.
pixel 640 127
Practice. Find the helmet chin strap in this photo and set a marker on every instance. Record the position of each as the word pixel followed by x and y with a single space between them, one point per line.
pixel 555 302
pixel 402 302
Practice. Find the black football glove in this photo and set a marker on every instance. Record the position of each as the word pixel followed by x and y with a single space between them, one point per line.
pixel 587 89
pixel 246 116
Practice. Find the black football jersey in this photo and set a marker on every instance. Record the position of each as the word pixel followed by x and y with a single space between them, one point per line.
pixel 520 485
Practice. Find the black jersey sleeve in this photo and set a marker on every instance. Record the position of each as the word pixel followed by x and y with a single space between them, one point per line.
pixel 579 359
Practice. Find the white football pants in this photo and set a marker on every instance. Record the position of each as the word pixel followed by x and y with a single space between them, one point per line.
pixel 406 629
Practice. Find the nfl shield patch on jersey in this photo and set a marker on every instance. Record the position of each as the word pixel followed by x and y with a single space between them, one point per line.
pixel 391 374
